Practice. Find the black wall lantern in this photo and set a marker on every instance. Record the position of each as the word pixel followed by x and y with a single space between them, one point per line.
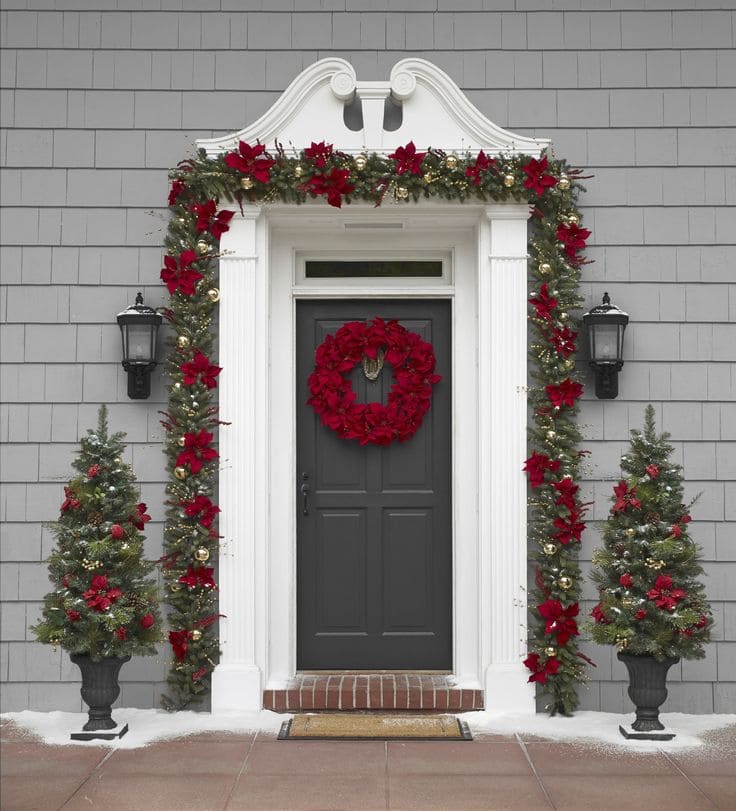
pixel 139 327
pixel 606 324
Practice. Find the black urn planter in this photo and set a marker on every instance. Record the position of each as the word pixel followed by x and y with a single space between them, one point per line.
pixel 100 688
pixel 648 691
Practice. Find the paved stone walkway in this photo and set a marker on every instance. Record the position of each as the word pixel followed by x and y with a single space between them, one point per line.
pixel 255 771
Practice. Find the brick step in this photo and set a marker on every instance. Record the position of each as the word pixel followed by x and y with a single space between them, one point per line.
pixel 373 691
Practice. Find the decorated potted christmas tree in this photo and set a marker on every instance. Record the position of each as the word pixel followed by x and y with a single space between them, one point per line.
pixel 104 607
pixel 652 605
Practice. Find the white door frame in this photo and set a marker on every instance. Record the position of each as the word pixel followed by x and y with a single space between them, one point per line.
pixel 488 250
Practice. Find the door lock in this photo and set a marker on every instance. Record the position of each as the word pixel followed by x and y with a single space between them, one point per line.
pixel 305 491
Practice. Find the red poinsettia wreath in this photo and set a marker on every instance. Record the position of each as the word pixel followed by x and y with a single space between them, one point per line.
pixel 333 398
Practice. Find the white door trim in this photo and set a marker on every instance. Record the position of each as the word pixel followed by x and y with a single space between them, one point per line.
pixel 258 441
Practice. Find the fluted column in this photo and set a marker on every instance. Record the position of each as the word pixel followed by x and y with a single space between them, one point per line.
pixel 503 416
pixel 237 680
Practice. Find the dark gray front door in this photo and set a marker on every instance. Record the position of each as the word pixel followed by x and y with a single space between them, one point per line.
pixel 374 550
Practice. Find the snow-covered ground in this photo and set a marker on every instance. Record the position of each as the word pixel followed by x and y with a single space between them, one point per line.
pixel 588 728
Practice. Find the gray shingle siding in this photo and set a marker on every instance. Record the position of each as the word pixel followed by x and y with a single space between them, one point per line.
pixel 100 98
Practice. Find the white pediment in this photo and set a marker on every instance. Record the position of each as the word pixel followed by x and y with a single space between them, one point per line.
pixel 434 112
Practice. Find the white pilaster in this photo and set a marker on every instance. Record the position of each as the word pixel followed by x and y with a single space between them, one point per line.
pixel 502 519
pixel 237 680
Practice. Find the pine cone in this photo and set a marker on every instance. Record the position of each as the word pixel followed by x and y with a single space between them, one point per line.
pixel 95 519
pixel 652 518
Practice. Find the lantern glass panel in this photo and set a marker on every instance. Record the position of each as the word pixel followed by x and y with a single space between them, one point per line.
pixel 604 343
pixel 141 339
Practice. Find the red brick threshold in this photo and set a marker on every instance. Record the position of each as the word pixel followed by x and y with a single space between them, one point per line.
pixel 371 691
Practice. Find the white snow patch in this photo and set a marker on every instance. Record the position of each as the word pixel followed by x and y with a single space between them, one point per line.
pixel 145 726
pixel 600 728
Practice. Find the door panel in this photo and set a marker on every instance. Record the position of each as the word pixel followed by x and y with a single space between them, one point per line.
pixel 374 551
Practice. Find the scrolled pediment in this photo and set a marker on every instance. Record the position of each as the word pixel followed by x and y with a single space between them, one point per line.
pixel 434 112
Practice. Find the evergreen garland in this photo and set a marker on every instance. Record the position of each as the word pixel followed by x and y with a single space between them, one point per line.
pixel 104 604
pixel 252 175
pixel 651 601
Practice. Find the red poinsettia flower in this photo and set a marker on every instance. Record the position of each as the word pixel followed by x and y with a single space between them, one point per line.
pixel 201 507
pixel 676 531
pixel 567 490
pixel 572 238
pixel 702 622
pixel 99 597
pixel 684 519
pixel 480 167
pixel 652 471
pixel 640 614
pixel 179 275
pixel 541 671
pixel 569 529
pixel 70 502
pixel 179 642
pixel 93 471
pixel 121 633
pixel 147 621
pixel 318 153
pixel 543 303
pixel 72 615
pixel 563 341
pixel 248 160
pixel 560 620
pixel 625 497
pixel 408 159
pixel 626 580
pixel 599 616
pixel 535 466
pixel 198 576
pixel 537 177
pixel 334 186
pixel 200 368
pixel 212 220
pixel 198 674
pixel 196 451
pixel 141 518
pixel 663 595
pixel 565 394
pixel 117 532
pixel 177 187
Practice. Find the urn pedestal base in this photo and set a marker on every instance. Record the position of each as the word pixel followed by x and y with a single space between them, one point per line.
pixel 631 734
pixel 101 735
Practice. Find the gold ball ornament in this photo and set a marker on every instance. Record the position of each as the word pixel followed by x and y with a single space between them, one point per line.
pixel 550 652
pixel 180 473
pixel 175 586
pixel 181 220
pixel 202 554
pixel 564 182
pixel 177 385
pixel 508 181
pixel 361 161
pixel 402 193
pixel 565 582
pixel 181 441
pixel 117 460
pixel 196 635
pixel 182 342
pixel 573 219
pixel 213 295
pixel 451 161
pixel 298 170
pixel 549 549
pixel 203 246
pixel 627 602
pixel 551 434
pixel 545 268
pixel 630 532
pixel 563 316
pixel 246 183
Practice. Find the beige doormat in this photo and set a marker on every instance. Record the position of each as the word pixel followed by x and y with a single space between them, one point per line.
pixel 348 726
